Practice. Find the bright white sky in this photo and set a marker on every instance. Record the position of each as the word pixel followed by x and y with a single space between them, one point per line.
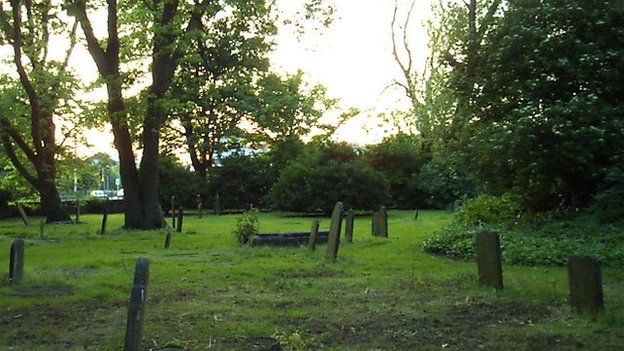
pixel 352 58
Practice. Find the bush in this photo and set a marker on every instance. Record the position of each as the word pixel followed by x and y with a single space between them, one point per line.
pixel 246 227
pixel 440 184
pixel 177 180
pixel 326 175
pixel 609 203
pixel 541 243
pixel 241 180
pixel 399 158
pixel 488 209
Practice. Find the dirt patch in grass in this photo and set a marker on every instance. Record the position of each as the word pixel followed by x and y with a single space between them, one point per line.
pixel 40 290
pixel 247 344
pixel 456 327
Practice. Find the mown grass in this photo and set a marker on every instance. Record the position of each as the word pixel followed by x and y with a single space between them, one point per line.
pixel 206 292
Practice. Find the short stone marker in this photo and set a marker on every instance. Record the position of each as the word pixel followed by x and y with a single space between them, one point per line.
pixel 415 215
pixel 41 228
pixel 180 218
pixel 136 308
pixel 168 239
pixel 216 206
pixel 173 212
pixel 349 222
pixel 22 213
pixel 585 281
pixel 382 222
pixel 77 205
pixel 104 220
pixel 200 206
pixel 16 262
pixel 333 241
pixel 374 220
pixel 489 262
pixel 313 235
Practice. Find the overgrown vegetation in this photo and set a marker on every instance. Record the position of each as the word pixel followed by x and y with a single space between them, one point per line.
pixel 246 227
pixel 529 238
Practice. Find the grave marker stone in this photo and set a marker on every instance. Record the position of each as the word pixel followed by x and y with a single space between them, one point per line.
pixel 216 206
pixel 22 213
pixel 313 235
pixel 333 241
pixel 41 230
pixel 382 222
pixel 168 239
pixel 16 262
pixel 349 222
pixel 200 206
pixel 585 281
pixel 77 205
pixel 173 212
pixel 415 214
pixel 374 220
pixel 104 219
pixel 489 260
pixel 136 308
pixel 180 218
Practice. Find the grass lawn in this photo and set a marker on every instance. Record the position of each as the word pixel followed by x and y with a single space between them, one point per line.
pixel 208 293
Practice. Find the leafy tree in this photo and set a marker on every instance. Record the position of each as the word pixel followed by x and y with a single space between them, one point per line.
pixel 399 158
pixel 170 26
pixel 42 92
pixel 214 87
pixel 550 101
pixel 179 181
pixel 325 174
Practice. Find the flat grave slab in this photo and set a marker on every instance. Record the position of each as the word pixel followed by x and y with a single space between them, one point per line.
pixel 286 238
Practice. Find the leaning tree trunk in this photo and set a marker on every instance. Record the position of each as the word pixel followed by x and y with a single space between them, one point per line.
pixel 51 204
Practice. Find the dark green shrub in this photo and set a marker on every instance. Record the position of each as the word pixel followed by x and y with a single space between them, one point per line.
pixel 242 180
pixel 440 184
pixel 609 203
pixel 488 209
pixel 326 174
pixel 179 181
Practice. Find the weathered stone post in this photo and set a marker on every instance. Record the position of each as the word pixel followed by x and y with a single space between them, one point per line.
pixel 168 239
pixel 22 213
pixel 16 262
pixel 173 212
pixel 104 219
pixel 374 225
pixel 77 205
pixel 216 206
pixel 200 206
pixel 41 228
pixel 415 214
pixel 585 281
pixel 349 222
pixel 333 240
pixel 382 222
pixel 489 262
pixel 180 218
pixel 313 235
pixel 136 308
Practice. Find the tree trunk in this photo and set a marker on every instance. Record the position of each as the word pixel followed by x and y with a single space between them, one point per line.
pixel 51 204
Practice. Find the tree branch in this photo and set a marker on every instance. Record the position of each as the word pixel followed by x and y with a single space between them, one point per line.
pixel 10 151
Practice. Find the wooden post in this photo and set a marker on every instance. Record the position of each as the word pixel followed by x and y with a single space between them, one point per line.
pixel 173 212
pixel 168 239
pixel 104 219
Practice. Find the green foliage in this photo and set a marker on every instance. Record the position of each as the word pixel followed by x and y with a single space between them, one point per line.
pixel 399 158
pixel 547 118
pixel 528 239
pixel 294 341
pixel 242 179
pixel 246 227
pixel 440 184
pixel 325 174
pixel 609 202
pixel 488 209
pixel 177 180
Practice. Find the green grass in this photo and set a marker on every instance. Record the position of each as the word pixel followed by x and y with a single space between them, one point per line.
pixel 206 291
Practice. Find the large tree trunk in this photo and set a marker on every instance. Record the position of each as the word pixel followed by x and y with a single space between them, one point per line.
pixel 51 204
